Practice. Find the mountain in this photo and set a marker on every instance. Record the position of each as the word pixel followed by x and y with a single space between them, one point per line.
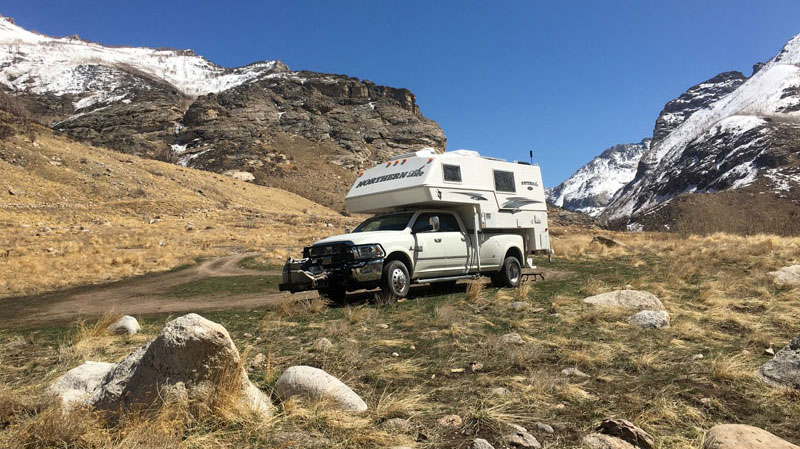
pixel 592 186
pixel 748 135
pixel 302 131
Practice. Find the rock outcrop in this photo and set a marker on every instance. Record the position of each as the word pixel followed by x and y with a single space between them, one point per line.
pixel 788 276
pixel 316 384
pixel 126 325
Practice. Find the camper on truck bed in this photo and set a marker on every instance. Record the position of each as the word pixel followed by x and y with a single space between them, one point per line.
pixel 441 218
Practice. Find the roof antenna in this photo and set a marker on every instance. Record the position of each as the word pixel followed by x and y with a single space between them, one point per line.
pixel 530 154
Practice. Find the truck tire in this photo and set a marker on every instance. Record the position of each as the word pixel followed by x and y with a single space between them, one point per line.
pixel 335 294
pixel 510 274
pixel 395 280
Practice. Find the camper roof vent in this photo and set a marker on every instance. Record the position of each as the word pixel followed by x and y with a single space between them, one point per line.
pixel 425 152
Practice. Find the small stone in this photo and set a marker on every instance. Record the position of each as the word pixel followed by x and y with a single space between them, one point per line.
pixel 126 325
pixel 697 357
pixel 769 351
pixel 394 354
pixel 397 425
pixel 475 366
pixel 190 226
pixel 519 306
pixel 569 372
pixel 705 401
pixel 628 432
pixel 247 335
pixel 512 338
pixel 519 437
pixel 480 443
pixel 450 421
pixel 457 370
pixel 412 347
pixel 542 427
pixel 601 441
pixel 322 345
pixel 383 326
pixel 499 391
pixel 258 362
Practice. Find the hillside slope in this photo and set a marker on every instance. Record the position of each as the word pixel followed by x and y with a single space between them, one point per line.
pixel 72 214
pixel 304 131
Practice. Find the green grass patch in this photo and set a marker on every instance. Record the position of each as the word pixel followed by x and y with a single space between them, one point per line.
pixel 257 263
pixel 234 285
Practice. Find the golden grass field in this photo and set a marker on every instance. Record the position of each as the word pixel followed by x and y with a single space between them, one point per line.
pixel 72 214
pixel 722 304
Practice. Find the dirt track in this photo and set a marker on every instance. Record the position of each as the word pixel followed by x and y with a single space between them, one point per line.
pixel 139 296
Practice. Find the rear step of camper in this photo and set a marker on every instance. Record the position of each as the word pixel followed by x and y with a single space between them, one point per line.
pixel 531 273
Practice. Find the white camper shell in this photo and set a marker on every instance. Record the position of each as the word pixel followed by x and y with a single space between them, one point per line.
pixel 500 196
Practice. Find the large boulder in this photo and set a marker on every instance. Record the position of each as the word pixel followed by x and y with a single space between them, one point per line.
pixel 626 299
pixel 627 431
pixel 316 384
pixel 789 276
pixel 741 436
pixel 784 368
pixel 651 319
pixel 126 325
pixel 79 384
pixel 191 356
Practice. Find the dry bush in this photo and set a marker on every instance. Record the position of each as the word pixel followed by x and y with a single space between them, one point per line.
pixel 731 368
pixel 446 315
pixel 523 291
pixel 475 288
pixel 296 308
pixel 494 417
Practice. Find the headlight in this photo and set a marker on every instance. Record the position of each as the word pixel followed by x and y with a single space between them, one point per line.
pixel 367 251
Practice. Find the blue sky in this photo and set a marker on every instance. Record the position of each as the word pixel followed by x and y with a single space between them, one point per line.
pixel 564 78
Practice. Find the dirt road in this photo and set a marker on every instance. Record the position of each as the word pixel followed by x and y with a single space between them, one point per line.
pixel 139 296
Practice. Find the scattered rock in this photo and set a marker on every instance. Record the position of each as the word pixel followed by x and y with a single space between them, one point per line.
pixel 605 241
pixel 626 299
pixel 126 325
pixel 394 354
pixel 11 192
pixel 512 338
pixel 546 428
pixel 627 431
pixel 570 372
pixel 316 384
pixel 741 436
pixel 480 443
pixel 190 226
pixel 769 351
pixel 788 276
pixel 519 437
pixel 397 425
pixel 247 335
pixel 322 345
pixel 697 357
pixel 784 368
pixel 192 357
pixel 651 319
pixel 499 391
pixel 80 383
pixel 519 306
pixel 258 362
pixel 240 175
pixel 383 326
pixel 601 441
pixel 475 366
pixel 450 421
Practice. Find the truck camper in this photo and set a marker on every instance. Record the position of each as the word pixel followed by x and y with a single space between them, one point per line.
pixel 439 217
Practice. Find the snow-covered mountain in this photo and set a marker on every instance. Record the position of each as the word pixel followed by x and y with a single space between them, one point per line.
pixel 94 73
pixel 750 132
pixel 592 186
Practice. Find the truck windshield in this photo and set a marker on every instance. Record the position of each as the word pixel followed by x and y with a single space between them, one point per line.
pixel 393 222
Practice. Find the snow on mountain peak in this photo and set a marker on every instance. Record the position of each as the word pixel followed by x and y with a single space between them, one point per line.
pixel 40 64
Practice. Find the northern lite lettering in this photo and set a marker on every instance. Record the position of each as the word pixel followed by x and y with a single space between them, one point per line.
pixel 406 174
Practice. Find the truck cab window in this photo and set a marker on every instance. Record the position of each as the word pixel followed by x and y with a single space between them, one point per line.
pixel 448 223
pixel 422 223
pixel 452 173
pixel 393 222
pixel 504 181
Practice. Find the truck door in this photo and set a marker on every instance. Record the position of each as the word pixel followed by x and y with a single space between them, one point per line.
pixel 430 256
pixel 456 242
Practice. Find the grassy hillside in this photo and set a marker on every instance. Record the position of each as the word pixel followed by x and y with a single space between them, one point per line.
pixel 72 214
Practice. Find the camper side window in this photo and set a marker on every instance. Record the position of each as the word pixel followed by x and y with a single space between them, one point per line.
pixel 452 173
pixel 504 181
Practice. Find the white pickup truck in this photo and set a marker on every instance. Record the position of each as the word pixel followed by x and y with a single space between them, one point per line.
pixel 431 225
pixel 393 250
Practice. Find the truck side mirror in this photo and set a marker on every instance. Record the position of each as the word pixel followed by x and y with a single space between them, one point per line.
pixel 434 223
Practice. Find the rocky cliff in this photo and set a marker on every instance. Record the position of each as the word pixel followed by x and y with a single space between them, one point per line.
pixel 302 131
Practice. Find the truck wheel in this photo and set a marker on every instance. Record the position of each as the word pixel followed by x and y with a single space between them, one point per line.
pixel 510 274
pixel 395 280
pixel 335 294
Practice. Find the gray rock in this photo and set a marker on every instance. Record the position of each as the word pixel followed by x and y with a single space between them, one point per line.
pixel 397 425
pixel 126 325
pixel 573 372
pixel 651 319
pixel 601 441
pixel 258 362
pixel 784 368
pixel 519 306
pixel 316 384
pixel 191 354
pixel 741 436
pixel 322 345
pixel 499 391
pixel 542 427
pixel 480 443
pixel 80 383
pixel 788 276
pixel 626 299
pixel 627 431
pixel 512 338
pixel 519 437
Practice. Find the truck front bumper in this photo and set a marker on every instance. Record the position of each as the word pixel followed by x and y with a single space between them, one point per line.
pixel 304 274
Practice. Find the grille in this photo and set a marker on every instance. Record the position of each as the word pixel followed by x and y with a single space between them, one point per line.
pixel 328 255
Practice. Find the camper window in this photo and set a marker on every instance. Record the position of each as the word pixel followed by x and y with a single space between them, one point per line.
pixel 504 181
pixel 452 173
